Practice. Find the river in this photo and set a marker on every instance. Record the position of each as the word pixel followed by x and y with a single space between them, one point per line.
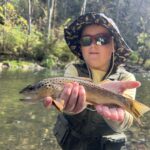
pixel 29 127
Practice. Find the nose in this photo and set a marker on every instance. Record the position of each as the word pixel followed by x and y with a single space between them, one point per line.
pixel 93 45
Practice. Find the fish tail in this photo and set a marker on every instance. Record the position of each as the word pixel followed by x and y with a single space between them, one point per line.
pixel 138 110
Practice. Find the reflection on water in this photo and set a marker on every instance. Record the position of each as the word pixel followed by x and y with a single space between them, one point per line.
pixel 29 127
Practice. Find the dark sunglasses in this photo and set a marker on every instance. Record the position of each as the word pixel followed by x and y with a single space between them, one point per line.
pixel 98 39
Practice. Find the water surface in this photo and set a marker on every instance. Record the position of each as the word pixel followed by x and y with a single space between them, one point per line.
pixel 29 127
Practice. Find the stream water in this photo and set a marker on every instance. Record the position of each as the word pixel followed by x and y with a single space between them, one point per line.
pixel 29 127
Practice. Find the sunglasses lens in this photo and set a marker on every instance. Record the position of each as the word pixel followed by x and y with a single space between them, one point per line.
pixel 97 39
pixel 102 40
pixel 86 41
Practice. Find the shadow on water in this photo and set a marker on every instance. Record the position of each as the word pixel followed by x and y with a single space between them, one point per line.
pixel 29 127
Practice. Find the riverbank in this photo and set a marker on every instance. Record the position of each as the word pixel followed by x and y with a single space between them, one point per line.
pixel 20 65
pixel 33 66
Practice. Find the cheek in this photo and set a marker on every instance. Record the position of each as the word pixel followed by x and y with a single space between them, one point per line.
pixel 84 52
pixel 107 54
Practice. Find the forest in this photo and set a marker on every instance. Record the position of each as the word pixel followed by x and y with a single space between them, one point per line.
pixel 32 30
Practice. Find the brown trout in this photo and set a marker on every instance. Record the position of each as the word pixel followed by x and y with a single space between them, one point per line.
pixel 94 95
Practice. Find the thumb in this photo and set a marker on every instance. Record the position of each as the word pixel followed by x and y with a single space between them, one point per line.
pixel 119 86
pixel 47 102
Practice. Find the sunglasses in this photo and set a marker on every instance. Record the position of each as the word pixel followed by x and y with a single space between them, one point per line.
pixel 98 39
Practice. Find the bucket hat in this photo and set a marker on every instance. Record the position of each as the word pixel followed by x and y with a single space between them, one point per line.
pixel 72 34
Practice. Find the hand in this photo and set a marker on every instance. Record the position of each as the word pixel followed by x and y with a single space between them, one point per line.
pixel 74 98
pixel 115 113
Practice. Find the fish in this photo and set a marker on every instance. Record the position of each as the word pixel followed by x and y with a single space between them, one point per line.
pixel 95 95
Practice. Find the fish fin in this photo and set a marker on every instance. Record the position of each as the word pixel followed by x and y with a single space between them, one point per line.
pixel 127 96
pixel 139 109
pixel 58 104
pixel 105 81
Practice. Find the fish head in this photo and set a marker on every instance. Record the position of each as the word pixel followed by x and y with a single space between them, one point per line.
pixel 37 92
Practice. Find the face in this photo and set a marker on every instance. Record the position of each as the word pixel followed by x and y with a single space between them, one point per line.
pixel 97 56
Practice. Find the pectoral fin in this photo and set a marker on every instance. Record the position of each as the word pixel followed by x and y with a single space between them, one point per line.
pixel 58 104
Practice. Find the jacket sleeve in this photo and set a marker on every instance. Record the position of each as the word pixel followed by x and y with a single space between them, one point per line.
pixel 128 121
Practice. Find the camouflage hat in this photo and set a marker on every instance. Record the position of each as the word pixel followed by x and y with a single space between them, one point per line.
pixel 73 32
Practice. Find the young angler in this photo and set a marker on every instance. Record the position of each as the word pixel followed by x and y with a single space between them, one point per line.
pixel 96 40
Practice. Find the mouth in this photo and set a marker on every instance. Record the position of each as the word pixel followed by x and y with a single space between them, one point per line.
pixel 93 53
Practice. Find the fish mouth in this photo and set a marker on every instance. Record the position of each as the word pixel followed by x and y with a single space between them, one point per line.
pixel 28 99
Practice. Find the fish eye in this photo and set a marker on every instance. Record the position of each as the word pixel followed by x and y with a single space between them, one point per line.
pixel 30 87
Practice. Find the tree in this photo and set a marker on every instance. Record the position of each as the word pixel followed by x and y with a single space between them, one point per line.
pixel 50 15
pixel 83 7
pixel 144 46
pixel 29 17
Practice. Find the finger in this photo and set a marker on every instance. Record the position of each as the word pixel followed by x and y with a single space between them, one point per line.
pixel 99 109
pixel 114 114
pixel 80 105
pixel 103 110
pixel 73 98
pixel 47 102
pixel 106 112
pixel 130 84
pixel 121 114
pixel 65 95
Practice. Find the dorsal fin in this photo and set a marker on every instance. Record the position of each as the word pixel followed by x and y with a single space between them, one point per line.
pixel 85 78
pixel 105 81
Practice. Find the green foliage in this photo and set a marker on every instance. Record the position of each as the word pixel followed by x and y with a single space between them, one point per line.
pixel 14 39
pixel 134 56
pixel 147 65
pixel 60 47
pixel 50 61
pixel 11 16
pixel 143 41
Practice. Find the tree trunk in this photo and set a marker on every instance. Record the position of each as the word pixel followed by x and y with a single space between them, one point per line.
pixel 54 17
pixel 83 7
pixel 4 12
pixel 29 17
pixel 50 14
